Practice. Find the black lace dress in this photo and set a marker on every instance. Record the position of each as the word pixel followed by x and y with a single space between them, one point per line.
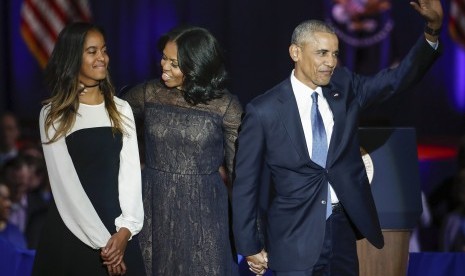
pixel 186 228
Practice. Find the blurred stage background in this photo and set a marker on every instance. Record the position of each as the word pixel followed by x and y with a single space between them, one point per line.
pixel 255 36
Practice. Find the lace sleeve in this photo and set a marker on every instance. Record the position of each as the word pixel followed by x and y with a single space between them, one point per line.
pixel 136 98
pixel 231 122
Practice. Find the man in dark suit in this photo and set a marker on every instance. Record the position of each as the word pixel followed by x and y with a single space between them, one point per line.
pixel 320 206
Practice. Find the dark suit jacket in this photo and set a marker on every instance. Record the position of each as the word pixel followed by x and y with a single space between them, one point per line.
pixel 272 135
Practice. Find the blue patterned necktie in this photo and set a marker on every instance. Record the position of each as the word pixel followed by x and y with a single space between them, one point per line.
pixel 320 144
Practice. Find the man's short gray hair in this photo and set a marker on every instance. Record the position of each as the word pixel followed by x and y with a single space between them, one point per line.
pixel 304 31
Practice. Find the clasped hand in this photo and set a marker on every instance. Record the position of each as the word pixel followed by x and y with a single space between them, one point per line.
pixel 112 254
pixel 258 263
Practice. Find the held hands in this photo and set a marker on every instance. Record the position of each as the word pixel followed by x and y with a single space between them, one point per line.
pixel 258 263
pixel 431 10
pixel 112 254
pixel 117 270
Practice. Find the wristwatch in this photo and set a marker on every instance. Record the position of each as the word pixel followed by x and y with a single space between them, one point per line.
pixel 432 32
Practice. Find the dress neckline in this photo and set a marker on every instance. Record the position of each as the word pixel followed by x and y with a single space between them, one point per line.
pixel 93 105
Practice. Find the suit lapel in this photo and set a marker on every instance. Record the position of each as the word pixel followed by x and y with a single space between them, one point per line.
pixel 338 107
pixel 289 114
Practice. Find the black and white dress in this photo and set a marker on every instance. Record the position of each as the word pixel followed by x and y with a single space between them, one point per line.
pixel 96 184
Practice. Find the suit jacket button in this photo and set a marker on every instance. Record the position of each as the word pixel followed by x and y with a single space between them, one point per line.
pixel 323 202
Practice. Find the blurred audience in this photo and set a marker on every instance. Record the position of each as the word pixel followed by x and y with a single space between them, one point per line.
pixel 415 244
pixel 16 174
pixel 9 231
pixel 452 236
pixel 26 177
pixel 39 196
pixel 9 135
pixel 444 201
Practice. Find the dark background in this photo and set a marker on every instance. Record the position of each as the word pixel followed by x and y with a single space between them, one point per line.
pixel 255 36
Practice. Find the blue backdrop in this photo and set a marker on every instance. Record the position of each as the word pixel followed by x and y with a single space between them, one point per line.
pixel 255 36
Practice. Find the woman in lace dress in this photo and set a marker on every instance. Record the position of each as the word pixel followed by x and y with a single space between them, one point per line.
pixel 190 123
pixel 90 147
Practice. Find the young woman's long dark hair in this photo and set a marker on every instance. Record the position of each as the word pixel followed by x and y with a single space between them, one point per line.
pixel 200 59
pixel 62 77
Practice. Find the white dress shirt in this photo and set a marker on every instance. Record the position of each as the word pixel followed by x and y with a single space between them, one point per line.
pixel 303 96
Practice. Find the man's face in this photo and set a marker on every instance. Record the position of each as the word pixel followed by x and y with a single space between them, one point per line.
pixel 316 59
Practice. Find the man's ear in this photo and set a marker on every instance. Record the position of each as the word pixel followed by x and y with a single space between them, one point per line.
pixel 294 52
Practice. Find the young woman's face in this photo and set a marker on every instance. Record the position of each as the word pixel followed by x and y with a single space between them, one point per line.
pixel 94 59
pixel 171 73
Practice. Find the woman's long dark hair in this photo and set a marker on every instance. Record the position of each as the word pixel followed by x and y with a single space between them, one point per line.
pixel 200 59
pixel 62 77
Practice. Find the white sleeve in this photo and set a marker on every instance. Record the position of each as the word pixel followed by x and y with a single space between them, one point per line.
pixel 130 180
pixel 74 206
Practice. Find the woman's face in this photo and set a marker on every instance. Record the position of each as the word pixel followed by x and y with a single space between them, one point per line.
pixel 171 73
pixel 94 59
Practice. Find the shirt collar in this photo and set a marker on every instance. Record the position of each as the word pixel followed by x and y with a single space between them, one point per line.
pixel 300 87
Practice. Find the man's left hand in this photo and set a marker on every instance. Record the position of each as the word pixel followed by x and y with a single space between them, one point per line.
pixel 431 10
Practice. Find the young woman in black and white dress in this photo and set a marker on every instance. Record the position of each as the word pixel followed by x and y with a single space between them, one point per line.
pixel 90 147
